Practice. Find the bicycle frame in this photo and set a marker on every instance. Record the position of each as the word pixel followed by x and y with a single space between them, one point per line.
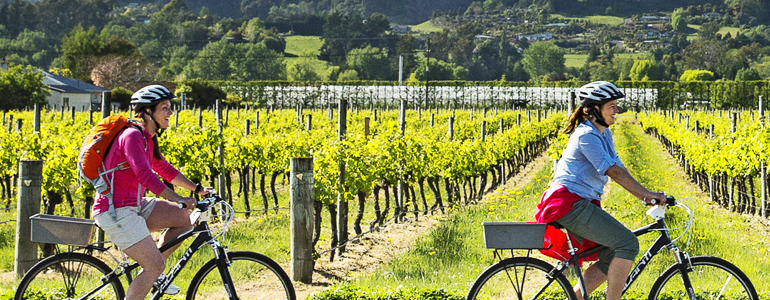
pixel 204 237
pixel 663 241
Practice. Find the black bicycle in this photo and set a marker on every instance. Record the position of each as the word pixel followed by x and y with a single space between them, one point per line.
pixel 81 274
pixel 525 277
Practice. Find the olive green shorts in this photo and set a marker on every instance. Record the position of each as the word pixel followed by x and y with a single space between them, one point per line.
pixel 586 220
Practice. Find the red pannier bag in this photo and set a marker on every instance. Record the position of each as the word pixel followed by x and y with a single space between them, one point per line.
pixel 555 245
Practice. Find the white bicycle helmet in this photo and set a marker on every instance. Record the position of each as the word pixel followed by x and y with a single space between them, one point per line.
pixel 598 92
pixel 149 96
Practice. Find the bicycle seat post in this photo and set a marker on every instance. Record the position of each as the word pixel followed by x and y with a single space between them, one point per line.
pixel 576 265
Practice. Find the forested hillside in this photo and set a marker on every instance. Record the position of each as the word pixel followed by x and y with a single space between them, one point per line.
pixel 116 44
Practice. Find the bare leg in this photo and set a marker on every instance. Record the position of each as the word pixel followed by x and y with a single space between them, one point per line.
pixel 147 255
pixel 593 278
pixel 167 214
pixel 616 277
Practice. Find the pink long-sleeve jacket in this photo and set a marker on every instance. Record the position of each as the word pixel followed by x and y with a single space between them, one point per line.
pixel 129 146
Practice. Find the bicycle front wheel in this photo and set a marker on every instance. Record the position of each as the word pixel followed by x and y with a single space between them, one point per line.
pixel 69 276
pixel 712 278
pixel 521 278
pixel 254 276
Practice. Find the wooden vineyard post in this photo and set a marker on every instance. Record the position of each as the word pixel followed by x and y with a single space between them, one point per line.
pixel 36 122
pixel 762 166
pixel 571 104
pixel 28 199
pixel 309 123
pixel 302 218
pixel 247 126
pixel 712 195
pixel 220 152
pixel 342 203
pixel 400 207
pixel 483 130
pixel 72 114
pixel 200 117
pixel 432 119
pixel 451 132
pixel 106 104
pixel 256 121
pixel 366 127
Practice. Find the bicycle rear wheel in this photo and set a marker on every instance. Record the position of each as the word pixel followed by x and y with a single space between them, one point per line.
pixel 254 275
pixel 68 276
pixel 521 278
pixel 711 277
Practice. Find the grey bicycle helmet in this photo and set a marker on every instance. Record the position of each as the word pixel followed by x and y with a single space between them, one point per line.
pixel 599 92
pixel 149 96
pixel 595 94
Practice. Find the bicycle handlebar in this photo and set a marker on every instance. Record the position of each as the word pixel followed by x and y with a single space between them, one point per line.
pixel 670 201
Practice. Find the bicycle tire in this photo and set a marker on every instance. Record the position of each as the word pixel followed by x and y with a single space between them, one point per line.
pixel 66 276
pixel 712 273
pixel 496 282
pixel 254 275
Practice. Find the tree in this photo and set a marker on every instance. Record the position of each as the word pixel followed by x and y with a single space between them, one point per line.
pixel 302 68
pixel 542 58
pixel 369 62
pixel 747 74
pixel 697 75
pixel 708 30
pixel 175 58
pixel 21 87
pixel 679 20
pixel 77 50
pixel 200 92
pixel 644 69
pixel 348 75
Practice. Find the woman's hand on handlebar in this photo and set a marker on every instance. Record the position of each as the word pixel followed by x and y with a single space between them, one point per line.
pixel 187 202
pixel 654 199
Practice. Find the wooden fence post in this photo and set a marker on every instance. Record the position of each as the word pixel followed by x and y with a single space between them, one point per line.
pixel 302 218
pixel 28 204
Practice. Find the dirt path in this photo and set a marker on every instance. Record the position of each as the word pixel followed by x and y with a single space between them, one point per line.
pixel 378 248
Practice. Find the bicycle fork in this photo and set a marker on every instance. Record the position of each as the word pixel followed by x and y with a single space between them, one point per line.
pixel 223 264
pixel 685 267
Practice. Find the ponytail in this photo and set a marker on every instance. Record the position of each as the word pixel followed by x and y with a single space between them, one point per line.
pixel 577 117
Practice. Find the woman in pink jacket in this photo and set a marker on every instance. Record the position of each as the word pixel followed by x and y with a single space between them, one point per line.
pixel 132 217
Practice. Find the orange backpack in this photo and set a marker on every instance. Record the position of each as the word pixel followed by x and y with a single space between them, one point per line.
pixel 94 150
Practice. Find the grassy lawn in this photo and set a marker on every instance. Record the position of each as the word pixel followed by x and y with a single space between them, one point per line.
pixel 603 20
pixel 303 46
pixel 297 43
pixel 693 33
pixel 426 27
pixel 453 254
pixel 579 60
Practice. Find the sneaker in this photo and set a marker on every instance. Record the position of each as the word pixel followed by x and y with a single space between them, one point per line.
pixel 170 290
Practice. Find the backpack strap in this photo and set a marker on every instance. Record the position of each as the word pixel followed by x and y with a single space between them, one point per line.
pixel 122 166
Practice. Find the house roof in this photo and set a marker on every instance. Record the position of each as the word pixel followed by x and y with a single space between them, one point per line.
pixel 69 85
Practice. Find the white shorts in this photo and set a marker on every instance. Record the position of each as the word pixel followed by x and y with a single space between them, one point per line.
pixel 130 225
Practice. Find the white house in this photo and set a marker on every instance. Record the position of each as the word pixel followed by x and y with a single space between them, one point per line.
pixel 70 92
